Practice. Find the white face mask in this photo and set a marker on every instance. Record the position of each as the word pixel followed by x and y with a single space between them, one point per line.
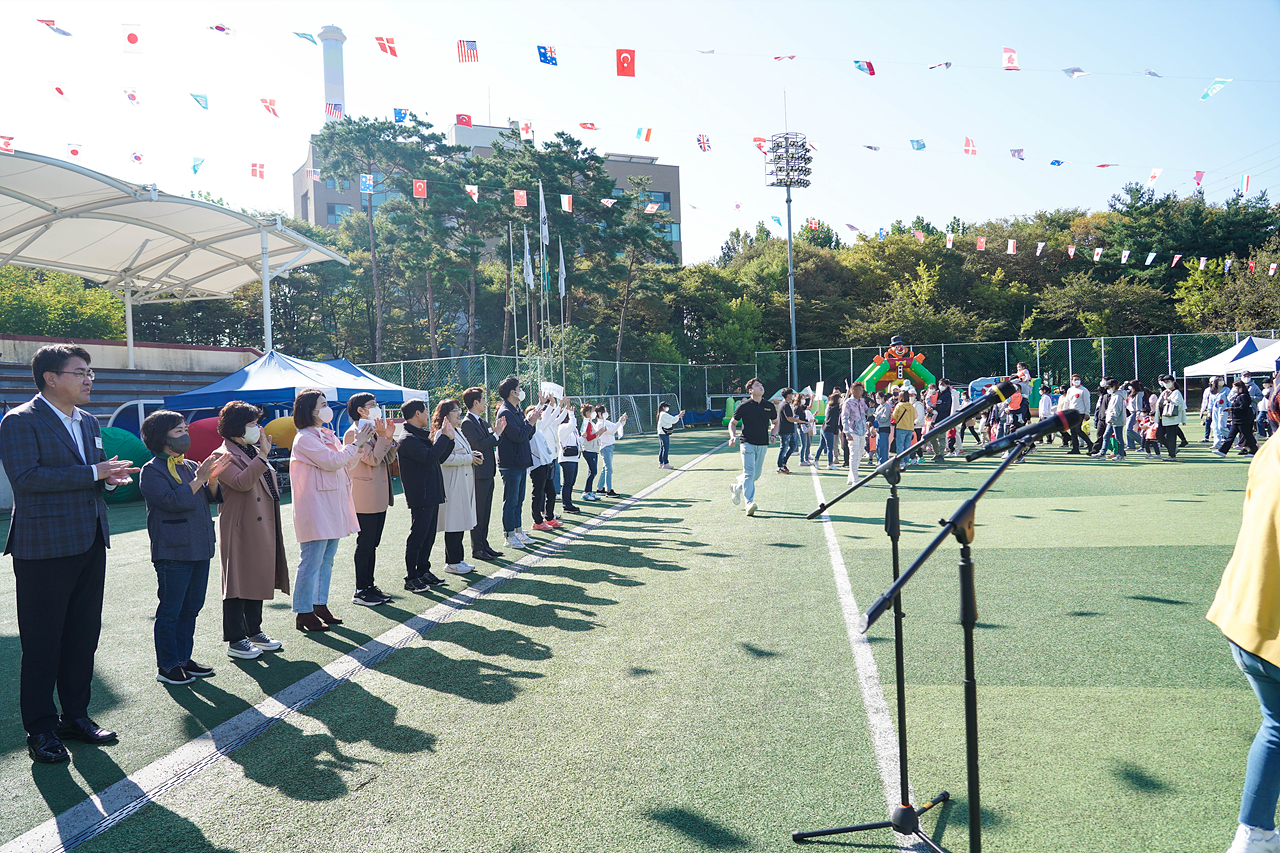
pixel 325 414
pixel 1075 383
pixel 374 413
pixel 520 395
pixel 252 434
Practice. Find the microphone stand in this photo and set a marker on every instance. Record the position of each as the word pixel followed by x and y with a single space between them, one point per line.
pixel 961 526
pixel 904 817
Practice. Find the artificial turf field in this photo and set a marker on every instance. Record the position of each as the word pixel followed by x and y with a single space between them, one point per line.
pixel 681 677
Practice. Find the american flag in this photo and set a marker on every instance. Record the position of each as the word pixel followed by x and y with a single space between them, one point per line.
pixel 333 110
pixel 704 142
pixel 313 174
pixel 467 51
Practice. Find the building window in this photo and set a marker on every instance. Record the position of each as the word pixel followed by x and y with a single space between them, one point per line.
pixel 333 185
pixel 336 212
pixel 670 230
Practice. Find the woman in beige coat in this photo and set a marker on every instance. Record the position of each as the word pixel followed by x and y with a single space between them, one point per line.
pixel 249 533
pixel 458 513
pixel 370 491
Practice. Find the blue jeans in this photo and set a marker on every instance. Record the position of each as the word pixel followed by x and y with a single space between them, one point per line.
pixel 902 439
pixel 1131 432
pixel 606 473
pixel 1262 772
pixel 664 448
pixel 555 475
pixel 592 457
pixel 752 464
pixel 513 480
pixel 788 447
pixel 181 587
pixel 828 445
pixel 882 445
pixel 315 568
pixel 1117 432
pixel 805 441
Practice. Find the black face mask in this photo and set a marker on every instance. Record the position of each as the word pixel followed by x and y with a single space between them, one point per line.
pixel 179 445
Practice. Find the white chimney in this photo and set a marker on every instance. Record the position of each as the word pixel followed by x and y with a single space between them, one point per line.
pixel 331 39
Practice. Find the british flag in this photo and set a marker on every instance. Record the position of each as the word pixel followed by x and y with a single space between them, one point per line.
pixel 333 110
pixel 704 142
pixel 467 51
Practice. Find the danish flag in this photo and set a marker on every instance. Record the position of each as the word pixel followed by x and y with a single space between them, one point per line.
pixel 386 45
pixel 969 146
pixel 270 105
pixel 258 170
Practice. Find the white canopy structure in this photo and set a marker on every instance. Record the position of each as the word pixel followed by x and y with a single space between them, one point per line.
pixel 1218 365
pixel 140 243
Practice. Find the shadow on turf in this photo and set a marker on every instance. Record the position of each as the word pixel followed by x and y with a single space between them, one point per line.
pixel 1135 778
pixel 702 830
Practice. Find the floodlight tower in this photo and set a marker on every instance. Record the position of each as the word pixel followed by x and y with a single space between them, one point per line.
pixel 787 165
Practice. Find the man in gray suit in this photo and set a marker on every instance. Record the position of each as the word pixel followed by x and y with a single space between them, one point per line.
pixel 58 536
pixel 481 437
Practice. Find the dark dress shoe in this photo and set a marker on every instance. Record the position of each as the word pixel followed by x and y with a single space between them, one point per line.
pixel 47 749
pixel 493 553
pixel 84 729
pixel 322 610
pixel 309 622
pixel 487 556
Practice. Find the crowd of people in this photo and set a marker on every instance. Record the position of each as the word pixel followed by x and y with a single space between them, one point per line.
pixel 448 460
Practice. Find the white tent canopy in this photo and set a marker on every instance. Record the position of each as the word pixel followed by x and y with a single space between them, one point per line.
pixel 1261 363
pixel 1223 363
pixel 140 243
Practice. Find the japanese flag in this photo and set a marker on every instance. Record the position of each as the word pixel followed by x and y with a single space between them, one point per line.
pixel 982 244
pixel 1097 254
pixel 950 237
pixel 522 198
pixel 1124 256
pixel 474 192
pixel 419 189
pixel 132 38
pixel 566 203
pixel 6 144
pixel 74 150
pixel 1071 251
pixel 1039 249
pixel 1013 248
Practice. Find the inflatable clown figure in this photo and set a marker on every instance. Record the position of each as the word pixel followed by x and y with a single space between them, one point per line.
pixel 897 366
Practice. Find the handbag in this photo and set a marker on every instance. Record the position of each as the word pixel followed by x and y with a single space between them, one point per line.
pixel 571 450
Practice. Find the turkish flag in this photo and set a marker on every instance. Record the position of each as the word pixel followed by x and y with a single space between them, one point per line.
pixel 626 63
pixel 462 120
pixel 522 198
pixel 982 244
pixel 419 189
pixel 587 125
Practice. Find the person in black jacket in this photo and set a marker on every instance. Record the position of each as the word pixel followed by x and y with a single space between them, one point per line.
pixel 1241 418
pixel 420 460
pixel 481 437
pixel 514 457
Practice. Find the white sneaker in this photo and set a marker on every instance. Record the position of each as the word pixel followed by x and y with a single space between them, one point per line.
pixel 514 541
pixel 460 569
pixel 735 492
pixel 1250 839
pixel 751 508
pixel 524 537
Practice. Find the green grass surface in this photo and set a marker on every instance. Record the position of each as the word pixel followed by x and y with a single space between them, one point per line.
pixel 682 679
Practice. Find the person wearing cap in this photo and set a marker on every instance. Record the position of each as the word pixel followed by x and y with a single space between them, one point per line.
pixel 1171 409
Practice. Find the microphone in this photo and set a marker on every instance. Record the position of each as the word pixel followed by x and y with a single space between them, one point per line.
pixel 995 394
pixel 1062 421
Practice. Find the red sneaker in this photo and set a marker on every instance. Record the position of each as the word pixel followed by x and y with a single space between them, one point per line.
pixel 555 522
pixel 543 526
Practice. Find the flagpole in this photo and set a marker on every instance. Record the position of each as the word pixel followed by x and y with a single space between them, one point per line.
pixel 563 377
pixel 515 316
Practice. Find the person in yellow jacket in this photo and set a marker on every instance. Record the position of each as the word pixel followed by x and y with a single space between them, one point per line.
pixel 1247 610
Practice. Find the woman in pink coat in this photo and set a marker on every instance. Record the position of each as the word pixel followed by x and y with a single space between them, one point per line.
pixel 323 510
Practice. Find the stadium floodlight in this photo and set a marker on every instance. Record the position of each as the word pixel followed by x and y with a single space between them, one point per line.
pixel 787 164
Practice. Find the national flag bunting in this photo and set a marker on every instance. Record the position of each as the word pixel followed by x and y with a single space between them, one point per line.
pixel 1176 258
pixel 626 62
pixel 566 203
pixel 1244 184
pixel 132 36
pixel 222 29
pixel 1149 73
pixel 462 120
pixel 132 95
pixel 759 142
pixel 917 144
pixel 950 239
pixel 366 183
pixel 1199 177
pixel 306 36
pixel 1059 162
pixel 399 115
pixel 880 236
pixel 865 66
pixel 1272 271
pixel 943 65
pixel 53 28
pixel 1010 59
pixel 1106 165
pixel 202 100
pixel 919 235
pixel 258 170
pixel 467 51
pixel 1016 153
pixel 780 58
pixel 1012 248
pixel 313 174
pixel 1226 268
pixel 59 89
pixel 969 146
pixel 1151 256
pixel 777 219
pixel 473 191
pixel 333 110
pixel 521 198
pixel 1124 256
pixel 1073 73
pixel 587 125
pixel 608 202
pixel 1215 87
pixel 1071 251
pixel 704 142
pixel 136 158
pixel 386 45
pixel 74 150
pixel 526 131
pixel 982 244
pixel 813 224
pixel 1253 266
pixel 196 163
pixel 1203 261
pixel 269 104
pixel 644 133
pixel 651 207
pixel 1097 255
pixel 419 188
pixel 1039 249
pixel 868 147
pixel 547 55
pixel 1155 175
pixel 846 225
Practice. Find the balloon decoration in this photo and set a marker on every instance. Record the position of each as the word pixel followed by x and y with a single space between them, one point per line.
pixel 282 431
pixel 204 439
pixel 125 445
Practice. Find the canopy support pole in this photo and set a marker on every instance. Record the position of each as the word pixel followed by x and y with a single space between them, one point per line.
pixel 266 293
pixel 128 321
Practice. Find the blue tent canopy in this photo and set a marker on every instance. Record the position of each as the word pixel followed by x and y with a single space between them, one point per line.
pixel 276 379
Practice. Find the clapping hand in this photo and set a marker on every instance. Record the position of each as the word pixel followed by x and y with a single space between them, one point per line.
pixel 384 427
pixel 499 426
pixel 365 434
pixel 448 430
pixel 264 443
pixel 211 467
pixel 116 471
pixel 477 458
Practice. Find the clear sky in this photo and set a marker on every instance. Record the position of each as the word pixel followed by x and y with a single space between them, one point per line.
pixel 1115 115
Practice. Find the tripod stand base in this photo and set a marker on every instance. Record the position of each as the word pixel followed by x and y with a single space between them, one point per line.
pixel 903 819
